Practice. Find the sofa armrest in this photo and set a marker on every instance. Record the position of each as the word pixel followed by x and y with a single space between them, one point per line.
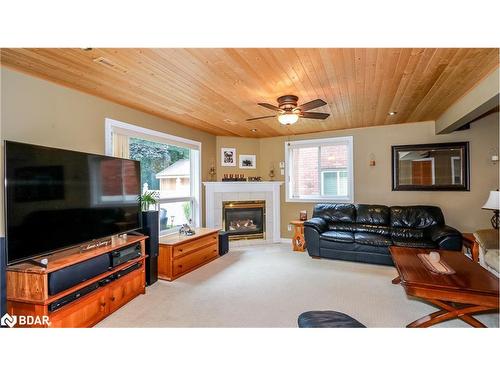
pixel 317 223
pixel 312 237
pixel 446 237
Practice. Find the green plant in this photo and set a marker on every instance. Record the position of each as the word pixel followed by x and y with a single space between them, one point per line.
pixel 154 158
pixel 187 210
pixel 147 199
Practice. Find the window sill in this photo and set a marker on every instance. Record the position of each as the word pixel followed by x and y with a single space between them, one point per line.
pixel 169 232
pixel 319 200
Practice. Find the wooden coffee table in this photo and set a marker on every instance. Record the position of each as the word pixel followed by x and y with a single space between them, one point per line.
pixel 470 290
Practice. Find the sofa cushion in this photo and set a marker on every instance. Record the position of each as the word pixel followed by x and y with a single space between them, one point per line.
pixel 413 242
pixel 418 217
pixel 372 239
pixel 372 214
pixel 341 212
pixel 487 238
pixel 492 259
pixel 377 229
pixel 407 233
pixel 349 227
pixel 338 236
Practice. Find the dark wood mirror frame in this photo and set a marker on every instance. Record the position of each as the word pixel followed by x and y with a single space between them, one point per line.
pixel 464 186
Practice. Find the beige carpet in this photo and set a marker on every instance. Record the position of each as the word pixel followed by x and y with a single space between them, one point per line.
pixel 269 286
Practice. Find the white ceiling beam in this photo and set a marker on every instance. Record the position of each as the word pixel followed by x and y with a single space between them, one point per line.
pixel 479 100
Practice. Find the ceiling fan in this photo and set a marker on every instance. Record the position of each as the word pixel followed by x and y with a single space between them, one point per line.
pixel 290 111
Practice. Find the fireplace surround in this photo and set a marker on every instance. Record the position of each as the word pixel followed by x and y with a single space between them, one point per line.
pixel 269 191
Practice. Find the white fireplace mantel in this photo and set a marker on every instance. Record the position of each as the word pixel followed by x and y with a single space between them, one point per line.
pixel 218 192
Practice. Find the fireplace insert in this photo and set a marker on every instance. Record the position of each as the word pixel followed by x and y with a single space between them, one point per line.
pixel 244 219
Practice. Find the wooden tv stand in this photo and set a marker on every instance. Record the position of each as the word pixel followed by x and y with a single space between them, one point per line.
pixel 27 288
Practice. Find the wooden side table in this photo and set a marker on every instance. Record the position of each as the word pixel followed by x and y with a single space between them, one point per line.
pixel 298 241
pixel 470 243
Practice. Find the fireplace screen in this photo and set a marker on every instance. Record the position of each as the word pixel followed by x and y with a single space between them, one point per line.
pixel 244 219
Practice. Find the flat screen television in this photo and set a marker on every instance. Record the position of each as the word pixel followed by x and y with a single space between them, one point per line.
pixel 55 199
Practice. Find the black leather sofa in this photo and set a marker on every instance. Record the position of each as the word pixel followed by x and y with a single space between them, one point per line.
pixel 363 232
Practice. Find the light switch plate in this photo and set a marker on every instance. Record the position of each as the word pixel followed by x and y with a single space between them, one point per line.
pixel 289 227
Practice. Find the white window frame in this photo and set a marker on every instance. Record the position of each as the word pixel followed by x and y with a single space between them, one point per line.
pixel 453 160
pixel 331 170
pixel 317 143
pixel 111 125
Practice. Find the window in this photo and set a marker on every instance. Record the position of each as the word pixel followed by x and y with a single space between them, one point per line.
pixel 334 183
pixel 319 170
pixel 170 167
pixel 456 170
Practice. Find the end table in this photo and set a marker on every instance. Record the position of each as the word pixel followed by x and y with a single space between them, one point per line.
pixel 298 241
pixel 470 243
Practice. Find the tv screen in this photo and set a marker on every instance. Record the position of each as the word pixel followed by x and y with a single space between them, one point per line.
pixel 56 198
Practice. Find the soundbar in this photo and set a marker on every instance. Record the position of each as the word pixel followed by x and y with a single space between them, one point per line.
pixel 70 276
pixel 72 297
pixel 56 305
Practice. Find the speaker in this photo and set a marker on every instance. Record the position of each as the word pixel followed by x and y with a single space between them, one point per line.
pixel 151 228
pixel 223 242
pixel 3 290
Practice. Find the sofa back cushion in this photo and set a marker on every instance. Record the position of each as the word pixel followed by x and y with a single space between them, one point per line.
pixel 415 217
pixel 372 214
pixel 335 212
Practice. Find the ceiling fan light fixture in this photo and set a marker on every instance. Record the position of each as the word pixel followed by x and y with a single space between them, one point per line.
pixel 288 118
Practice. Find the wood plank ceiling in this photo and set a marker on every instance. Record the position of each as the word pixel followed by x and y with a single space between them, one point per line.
pixel 215 90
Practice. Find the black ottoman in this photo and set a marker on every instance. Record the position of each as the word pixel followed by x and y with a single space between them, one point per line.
pixel 327 319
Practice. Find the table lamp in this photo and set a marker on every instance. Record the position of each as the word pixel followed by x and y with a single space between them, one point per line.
pixel 493 203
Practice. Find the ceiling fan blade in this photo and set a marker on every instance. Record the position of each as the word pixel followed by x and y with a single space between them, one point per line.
pixel 259 118
pixel 312 104
pixel 269 106
pixel 314 115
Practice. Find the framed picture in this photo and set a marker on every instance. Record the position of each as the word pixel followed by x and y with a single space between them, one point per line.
pixel 228 157
pixel 248 161
pixel 431 167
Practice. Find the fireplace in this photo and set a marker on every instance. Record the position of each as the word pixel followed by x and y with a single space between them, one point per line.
pixel 244 219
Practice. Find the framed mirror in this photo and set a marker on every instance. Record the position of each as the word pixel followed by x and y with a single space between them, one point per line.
pixel 435 166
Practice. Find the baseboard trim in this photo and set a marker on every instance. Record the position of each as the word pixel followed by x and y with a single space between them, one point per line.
pixel 285 240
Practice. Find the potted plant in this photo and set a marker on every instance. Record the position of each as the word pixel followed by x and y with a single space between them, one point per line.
pixel 150 218
pixel 147 199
